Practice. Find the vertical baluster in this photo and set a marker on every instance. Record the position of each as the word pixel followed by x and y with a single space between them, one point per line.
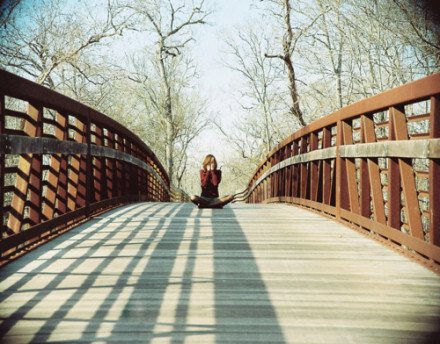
pixel 295 172
pixel 407 175
pixel 98 173
pixel 314 178
pixel 150 181
pixel 364 175
pixel 341 194
pixel 110 167
pixel 326 167
pixel 434 173
pixel 351 184
pixel 76 185
pixel 373 174
pixel 303 170
pixel 288 176
pixel 88 192
pixel 393 182
pixel 28 176
pixel 2 167
pixel 57 174
pixel 118 182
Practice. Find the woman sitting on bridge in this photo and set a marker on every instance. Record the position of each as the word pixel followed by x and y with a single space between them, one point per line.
pixel 210 178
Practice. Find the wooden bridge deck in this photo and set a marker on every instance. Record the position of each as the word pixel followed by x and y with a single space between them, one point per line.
pixel 171 273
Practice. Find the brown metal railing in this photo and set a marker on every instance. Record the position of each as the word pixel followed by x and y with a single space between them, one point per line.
pixel 61 161
pixel 374 164
pixel 178 195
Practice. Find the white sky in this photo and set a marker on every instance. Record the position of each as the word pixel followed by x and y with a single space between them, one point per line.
pixel 217 81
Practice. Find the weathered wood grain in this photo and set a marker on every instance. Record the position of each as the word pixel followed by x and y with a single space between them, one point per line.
pixel 171 273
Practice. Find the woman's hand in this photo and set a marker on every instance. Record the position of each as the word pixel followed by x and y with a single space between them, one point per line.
pixel 208 167
pixel 213 167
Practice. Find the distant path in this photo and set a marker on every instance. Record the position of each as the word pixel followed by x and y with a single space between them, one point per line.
pixel 171 273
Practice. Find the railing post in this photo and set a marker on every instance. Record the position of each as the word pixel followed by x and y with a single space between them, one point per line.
pixel 110 168
pixel 119 169
pixel 434 173
pixel 29 176
pixel 288 176
pixel 326 167
pixel 349 181
pixel 303 170
pixel 36 172
pixel 314 178
pixel 295 172
pixel 407 175
pixel 2 166
pixel 393 182
pixel 57 187
pixel 98 168
pixel 89 164
pixel 76 189
pixel 339 169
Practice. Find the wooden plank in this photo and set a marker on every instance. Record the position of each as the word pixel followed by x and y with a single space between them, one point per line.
pixel 155 272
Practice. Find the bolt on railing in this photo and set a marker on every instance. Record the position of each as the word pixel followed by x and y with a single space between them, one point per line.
pixel 61 162
pixel 374 164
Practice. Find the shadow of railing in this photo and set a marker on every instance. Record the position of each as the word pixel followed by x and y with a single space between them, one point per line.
pixel 141 273
pixel 374 165
pixel 243 307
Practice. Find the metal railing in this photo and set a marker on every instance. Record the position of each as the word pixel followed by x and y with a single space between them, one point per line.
pixel 178 195
pixel 374 164
pixel 61 162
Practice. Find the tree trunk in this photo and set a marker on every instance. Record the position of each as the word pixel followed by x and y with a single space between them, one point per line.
pixel 168 111
pixel 287 46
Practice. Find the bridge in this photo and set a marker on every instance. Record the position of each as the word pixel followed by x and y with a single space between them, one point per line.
pixel 337 239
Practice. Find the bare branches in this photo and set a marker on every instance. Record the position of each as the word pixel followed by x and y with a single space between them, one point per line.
pixel 170 22
pixel 51 37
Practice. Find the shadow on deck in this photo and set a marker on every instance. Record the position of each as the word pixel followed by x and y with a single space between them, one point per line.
pixel 171 273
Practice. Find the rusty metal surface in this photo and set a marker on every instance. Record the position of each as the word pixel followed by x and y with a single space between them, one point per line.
pixel 373 164
pixel 62 161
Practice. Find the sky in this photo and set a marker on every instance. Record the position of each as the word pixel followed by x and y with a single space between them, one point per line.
pixel 217 81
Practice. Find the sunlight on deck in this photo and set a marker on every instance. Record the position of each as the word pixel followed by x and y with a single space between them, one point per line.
pixel 171 273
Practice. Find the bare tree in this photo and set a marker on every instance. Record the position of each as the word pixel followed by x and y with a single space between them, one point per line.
pixel 188 118
pixel 6 10
pixel 290 40
pixel 170 22
pixel 261 88
pixel 40 38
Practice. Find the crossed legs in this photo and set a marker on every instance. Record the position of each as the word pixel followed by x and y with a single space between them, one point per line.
pixel 219 203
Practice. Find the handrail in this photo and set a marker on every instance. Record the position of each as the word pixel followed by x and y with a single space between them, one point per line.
pixel 178 195
pixel 373 164
pixel 62 162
